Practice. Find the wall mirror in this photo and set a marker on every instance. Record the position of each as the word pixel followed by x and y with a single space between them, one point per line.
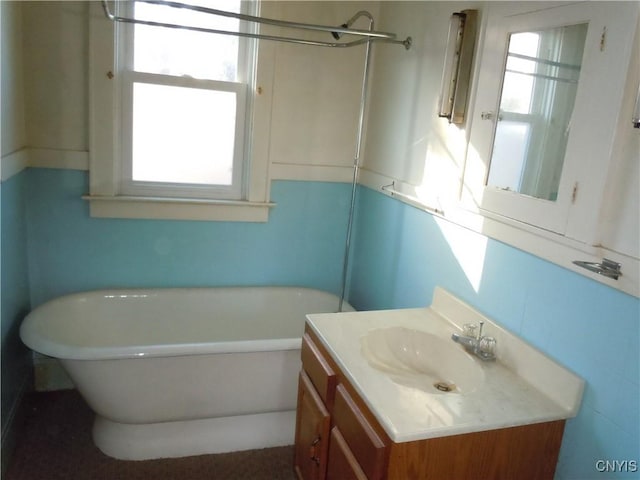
pixel 539 87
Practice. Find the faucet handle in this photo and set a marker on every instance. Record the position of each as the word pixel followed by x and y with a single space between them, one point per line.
pixel 469 330
pixel 487 347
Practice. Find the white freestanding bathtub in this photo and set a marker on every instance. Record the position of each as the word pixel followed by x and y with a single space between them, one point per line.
pixel 184 371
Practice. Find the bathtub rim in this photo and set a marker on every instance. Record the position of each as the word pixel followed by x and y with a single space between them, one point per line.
pixel 65 352
pixel 36 342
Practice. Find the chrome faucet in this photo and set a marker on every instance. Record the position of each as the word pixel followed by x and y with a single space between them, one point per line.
pixel 481 346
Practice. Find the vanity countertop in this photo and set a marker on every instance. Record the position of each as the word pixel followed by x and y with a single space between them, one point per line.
pixel 523 386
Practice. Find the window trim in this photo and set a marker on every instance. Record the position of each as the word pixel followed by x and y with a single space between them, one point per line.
pixel 105 196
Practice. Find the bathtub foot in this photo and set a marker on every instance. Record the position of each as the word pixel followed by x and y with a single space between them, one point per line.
pixel 193 437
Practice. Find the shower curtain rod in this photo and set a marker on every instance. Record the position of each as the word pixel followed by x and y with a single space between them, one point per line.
pixel 337 32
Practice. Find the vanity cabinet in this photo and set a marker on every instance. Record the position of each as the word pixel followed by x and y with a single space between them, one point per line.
pixel 339 438
pixel 316 389
pixel 353 448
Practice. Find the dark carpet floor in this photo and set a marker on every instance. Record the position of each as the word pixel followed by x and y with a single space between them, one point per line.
pixel 55 443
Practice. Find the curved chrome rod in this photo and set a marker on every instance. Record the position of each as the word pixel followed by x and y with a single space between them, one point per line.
pixel 365 34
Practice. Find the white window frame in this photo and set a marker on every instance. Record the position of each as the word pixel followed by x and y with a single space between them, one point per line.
pixel 112 196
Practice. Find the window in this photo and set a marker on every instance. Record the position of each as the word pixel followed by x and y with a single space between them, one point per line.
pixel 180 123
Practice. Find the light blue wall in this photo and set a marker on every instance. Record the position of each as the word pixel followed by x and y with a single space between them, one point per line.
pixel 14 292
pixel 301 244
pixel 401 253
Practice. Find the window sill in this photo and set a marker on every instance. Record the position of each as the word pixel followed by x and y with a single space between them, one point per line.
pixel 177 208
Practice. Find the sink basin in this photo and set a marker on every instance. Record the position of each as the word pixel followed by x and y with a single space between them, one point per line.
pixel 421 360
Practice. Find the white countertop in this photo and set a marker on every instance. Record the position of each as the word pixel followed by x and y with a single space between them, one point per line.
pixel 522 387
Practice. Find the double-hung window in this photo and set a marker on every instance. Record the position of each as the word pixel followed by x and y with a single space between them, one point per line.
pixel 181 105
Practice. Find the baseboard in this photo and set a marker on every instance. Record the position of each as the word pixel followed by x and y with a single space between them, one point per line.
pixel 15 419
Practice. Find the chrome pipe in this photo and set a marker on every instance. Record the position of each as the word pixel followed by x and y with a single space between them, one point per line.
pixel 356 167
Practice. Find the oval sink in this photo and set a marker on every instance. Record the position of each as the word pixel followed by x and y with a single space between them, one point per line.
pixel 421 360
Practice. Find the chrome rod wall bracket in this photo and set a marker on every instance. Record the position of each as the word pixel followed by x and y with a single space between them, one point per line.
pixel 607 268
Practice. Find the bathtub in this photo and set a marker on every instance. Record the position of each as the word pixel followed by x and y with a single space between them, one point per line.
pixel 181 371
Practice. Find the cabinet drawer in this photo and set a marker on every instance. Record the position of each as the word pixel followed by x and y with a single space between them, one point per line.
pixel 343 465
pixel 321 374
pixel 367 447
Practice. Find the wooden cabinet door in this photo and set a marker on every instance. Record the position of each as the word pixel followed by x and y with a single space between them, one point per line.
pixel 368 449
pixel 312 432
pixel 342 464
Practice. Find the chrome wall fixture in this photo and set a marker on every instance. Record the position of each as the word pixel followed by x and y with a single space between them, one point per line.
pixel 458 60
pixel 607 268
pixel 336 31
pixel 410 199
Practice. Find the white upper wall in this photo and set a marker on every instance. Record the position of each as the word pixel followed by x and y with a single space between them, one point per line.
pixel 405 138
pixel 316 94
pixel 13 135
pixel 55 74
